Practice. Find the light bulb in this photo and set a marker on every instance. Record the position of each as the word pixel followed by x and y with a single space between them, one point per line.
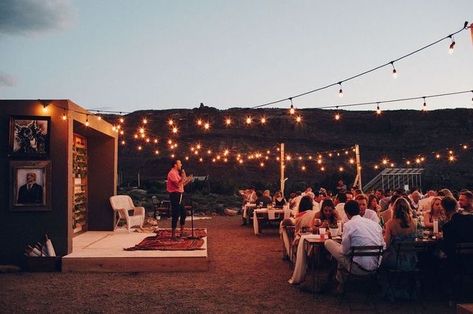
pixel 298 119
pixel 263 120
pixel 337 116
pixel 174 130
pixel 248 120
pixel 340 91
pixel 145 121
pixel 378 110
pixel 228 121
pixel 99 118
pixel 394 70
pixel 424 106
pixel 199 122
pixel 207 125
pixel 451 48
pixel 64 117
pixel 122 120
pixel 292 110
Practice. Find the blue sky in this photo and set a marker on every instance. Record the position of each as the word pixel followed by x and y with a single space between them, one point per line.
pixel 131 55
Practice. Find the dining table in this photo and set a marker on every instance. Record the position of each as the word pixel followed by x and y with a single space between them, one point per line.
pixel 268 214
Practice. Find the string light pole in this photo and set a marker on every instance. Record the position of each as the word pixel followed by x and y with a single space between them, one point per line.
pixel 282 166
pixel 358 167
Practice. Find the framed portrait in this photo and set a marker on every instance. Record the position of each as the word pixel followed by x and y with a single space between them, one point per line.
pixel 29 136
pixel 30 185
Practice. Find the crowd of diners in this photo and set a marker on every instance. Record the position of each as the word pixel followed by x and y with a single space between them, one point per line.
pixel 378 217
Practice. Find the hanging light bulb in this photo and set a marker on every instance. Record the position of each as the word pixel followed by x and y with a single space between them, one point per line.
pixel 174 130
pixel 451 48
pixel 170 122
pixel 292 110
pixel 263 120
pixel 45 106
pixel 424 106
pixel 145 121
pixel 337 116
pixel 121 120
pixel 394 70
pixel 99 117
pixel 340 91
pixel 207 125
pixel 378 110
pixel 248 120
pixel 87 120
pixel 228 121
pixel 123 142
pixel 199 122
pixel 64 115
pixel 298 119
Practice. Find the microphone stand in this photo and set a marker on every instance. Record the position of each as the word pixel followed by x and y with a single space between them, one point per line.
pixel 192 237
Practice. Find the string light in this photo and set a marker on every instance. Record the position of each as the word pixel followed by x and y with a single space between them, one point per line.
pixel 156 152
pixel 465 146
pixel 87 120
pixel 298 119
pixel 122 132
pixel 145 121
pixel 378 110
pixel 292 110
pixel 451 158
pixel 263 120
pixel 437 156
pixel 424 106
pixel 123 142
pixel 451 48
pixel 99 117
pixel 322 168
pixel 340 91
pixel 376 167
pixel 261 164
pixel 207 125
pixel 337 115
pixel 303 168
pixel 140 148
pixel 340 169
pixel 171 122
pixel 394 70
pixel 121 120
pixel 228 121
pixel 174 130
pixel 45 107
pixel 64 116
pixel 199 122
pixel 248 120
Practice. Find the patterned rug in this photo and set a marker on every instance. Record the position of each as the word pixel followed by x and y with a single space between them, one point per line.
pixel 162 241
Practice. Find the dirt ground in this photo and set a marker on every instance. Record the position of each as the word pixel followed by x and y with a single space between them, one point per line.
pixel 247 275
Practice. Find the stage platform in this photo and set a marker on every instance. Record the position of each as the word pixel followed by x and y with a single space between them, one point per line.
pixel 103 251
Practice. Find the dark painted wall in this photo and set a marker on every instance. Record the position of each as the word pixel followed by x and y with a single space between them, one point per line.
pixel 17 229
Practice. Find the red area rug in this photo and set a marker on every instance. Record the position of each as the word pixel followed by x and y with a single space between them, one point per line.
pixel 162 241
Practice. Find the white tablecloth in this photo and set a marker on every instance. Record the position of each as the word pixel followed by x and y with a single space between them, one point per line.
pixel 271 216
pixel 301 260
pixel 245 209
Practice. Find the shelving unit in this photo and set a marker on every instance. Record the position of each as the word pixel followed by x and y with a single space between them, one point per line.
pixel 79 209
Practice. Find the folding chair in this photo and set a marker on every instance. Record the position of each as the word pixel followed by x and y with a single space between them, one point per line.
pixel 371 276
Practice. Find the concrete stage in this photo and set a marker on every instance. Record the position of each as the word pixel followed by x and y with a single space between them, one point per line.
pixel 102 251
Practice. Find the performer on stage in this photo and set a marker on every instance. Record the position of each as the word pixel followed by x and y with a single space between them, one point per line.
pixel 176 181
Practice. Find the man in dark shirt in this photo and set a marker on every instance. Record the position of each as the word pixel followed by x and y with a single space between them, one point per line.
pixel 31 192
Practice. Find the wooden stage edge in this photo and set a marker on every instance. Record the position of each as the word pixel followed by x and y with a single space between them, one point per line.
pixel 103 251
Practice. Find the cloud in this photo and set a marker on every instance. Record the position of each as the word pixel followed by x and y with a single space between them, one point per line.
pixel 7 80
pixel 34 16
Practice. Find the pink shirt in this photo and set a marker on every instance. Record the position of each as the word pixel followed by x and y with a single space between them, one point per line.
pixel 174 183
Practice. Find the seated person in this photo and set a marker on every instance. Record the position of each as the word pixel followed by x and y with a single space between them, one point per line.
pixel 362 201
pixel 279 200
pixel 327 217
pixel 263 199
pixel 436 212
pixel 459 229
pixel 357 231
pixel 401 227
pixel 305 215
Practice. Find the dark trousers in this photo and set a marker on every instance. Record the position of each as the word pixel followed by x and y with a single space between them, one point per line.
pixel 177 209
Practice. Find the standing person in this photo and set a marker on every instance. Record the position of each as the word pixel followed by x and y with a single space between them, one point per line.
pixel 176 181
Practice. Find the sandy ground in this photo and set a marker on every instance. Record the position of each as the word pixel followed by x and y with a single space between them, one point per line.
pixel 247 274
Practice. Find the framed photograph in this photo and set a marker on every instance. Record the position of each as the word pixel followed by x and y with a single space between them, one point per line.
pixel 30 185
pixel 29 136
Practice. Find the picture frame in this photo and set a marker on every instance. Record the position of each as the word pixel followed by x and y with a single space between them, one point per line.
pixel 29 136
pixel 30 185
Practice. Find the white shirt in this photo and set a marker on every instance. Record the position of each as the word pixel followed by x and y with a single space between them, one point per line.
pixel 360 231
pixel 371 215
pixel 340 208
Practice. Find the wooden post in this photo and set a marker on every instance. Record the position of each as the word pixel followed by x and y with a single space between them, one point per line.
pixel 358 167
pixel 282 159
